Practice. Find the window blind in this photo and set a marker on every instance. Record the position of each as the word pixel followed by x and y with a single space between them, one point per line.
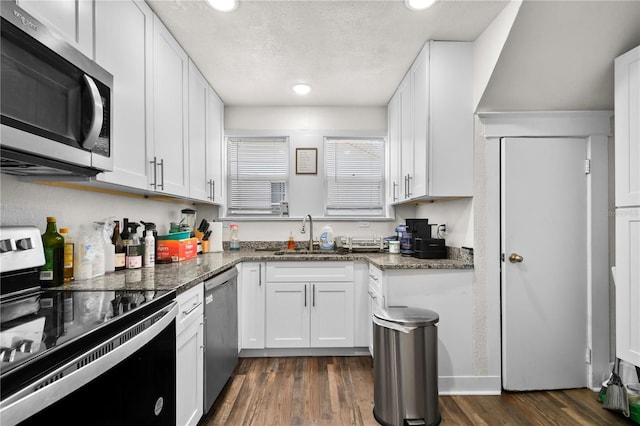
pixel 258 170
pixel 354 170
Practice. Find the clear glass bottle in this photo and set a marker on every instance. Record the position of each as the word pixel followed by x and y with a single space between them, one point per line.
pixel 234 243
pixel 52 272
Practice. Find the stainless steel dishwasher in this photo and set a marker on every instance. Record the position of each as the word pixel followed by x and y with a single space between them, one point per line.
pixel 220 333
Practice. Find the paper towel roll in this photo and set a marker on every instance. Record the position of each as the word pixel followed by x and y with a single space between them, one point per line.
pixel 215 240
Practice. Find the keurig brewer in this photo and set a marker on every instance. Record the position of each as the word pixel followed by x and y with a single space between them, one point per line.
pixel 423 246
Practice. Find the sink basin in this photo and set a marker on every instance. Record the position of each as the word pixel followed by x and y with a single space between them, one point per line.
pixel 310 253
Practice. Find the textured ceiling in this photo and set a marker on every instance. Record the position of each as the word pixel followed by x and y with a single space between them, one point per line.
pixel 352 53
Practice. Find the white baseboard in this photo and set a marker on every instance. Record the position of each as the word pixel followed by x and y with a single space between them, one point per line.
pixel 469 385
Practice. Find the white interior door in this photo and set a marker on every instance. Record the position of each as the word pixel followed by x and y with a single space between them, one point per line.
pixel 544 268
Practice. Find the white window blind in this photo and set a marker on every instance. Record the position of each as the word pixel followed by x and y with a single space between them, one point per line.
pixel 258 169
pixel 354 170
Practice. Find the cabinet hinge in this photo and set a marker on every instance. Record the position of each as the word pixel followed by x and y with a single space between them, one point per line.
pixel 587 355
pixel 587 166
pixel 502 257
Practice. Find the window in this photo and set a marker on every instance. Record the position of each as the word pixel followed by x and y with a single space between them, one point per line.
pixel 354 170
pixel 257 173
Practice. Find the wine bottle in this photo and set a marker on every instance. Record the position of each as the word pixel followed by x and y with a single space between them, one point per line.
pixel 52 272
pixel 116 239
pixel 68 255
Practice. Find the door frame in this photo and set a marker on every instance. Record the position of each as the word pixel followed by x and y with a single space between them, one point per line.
pixel 595 128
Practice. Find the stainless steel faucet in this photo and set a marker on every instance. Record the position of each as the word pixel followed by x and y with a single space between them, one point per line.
pixel 302 231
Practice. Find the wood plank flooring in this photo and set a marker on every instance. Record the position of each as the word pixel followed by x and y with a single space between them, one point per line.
pixel 300 391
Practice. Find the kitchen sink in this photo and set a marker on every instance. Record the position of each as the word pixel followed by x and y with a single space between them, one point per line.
pixel 310 253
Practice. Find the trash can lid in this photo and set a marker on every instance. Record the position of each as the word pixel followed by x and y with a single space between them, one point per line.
pixel 415 317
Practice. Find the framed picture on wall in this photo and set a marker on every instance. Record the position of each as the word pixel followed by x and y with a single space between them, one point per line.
pixel 306 161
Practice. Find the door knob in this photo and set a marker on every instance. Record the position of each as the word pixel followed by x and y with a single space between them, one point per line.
pixel 515 258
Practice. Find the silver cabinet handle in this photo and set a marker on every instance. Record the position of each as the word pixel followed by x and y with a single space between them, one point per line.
pixel 409 185
pixel 155 173
pixel 213 190
pixel 162 174
pixel 373 277
pixel 260 275
pixel 313 300
pixel 305 295
pixel 395 187
pixel 193 308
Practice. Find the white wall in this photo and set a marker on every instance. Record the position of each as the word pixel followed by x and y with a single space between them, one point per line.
pixel 30 203
pixel 306 127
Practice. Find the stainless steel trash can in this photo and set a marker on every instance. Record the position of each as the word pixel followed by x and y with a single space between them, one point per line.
pixel 405 363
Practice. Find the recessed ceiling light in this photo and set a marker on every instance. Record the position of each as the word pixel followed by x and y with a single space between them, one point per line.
pixel 302 89
pixel 224 5
pixel 419 4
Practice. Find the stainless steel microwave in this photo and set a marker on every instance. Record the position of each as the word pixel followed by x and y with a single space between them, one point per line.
pixel 55 103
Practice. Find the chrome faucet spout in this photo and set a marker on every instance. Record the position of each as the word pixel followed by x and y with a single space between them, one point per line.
pixel 302 231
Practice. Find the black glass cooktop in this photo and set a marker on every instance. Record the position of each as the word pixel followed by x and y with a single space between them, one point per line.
pixel 34 324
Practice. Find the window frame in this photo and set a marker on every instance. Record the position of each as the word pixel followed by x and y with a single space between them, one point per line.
pixel 276 209
pixel 373 212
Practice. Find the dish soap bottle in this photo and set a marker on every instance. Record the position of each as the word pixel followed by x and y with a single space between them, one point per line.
pixel 291 244
pixel 235 242
pixel 326 238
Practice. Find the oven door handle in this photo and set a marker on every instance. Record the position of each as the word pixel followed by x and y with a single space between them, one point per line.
pixel 83 369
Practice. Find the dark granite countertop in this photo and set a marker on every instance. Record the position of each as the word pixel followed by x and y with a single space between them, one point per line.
pixel 184 275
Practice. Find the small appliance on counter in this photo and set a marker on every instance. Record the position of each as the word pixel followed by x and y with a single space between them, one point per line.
pixel 423 245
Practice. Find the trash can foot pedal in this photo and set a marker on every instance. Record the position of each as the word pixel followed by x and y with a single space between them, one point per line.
pixel 414 422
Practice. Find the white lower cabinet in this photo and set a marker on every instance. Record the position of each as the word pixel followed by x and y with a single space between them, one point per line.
pixel 448 292
pixel 309 304
pixel 251 283
pixel 190 356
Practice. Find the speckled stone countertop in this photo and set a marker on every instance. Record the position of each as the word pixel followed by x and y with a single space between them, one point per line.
pixel 183 275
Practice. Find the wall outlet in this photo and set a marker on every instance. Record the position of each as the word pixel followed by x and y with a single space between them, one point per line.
pixel 363 224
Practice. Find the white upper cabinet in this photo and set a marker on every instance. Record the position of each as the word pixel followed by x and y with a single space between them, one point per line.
pixel 436 123
pixel 205 139
pixel 168 147
pixel 215 137
pixel 124 50
pixel 627 128
pixel 393 149
pixel 198 103
pixel 71 19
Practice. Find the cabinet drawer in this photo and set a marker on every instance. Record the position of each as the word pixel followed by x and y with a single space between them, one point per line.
pixel 319 271
pixel 190 307
pixel 375 278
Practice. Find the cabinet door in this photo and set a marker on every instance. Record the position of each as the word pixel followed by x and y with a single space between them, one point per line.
pixel 450 164
pixel 332 315
pixel 124 50
pixel 394 150
pixel 170 136
pixel 287 315
pixel 420 94
pixel 198 102
pixel 189 374
pixel 71 19
pixel 627 128
pixel 627 283
pixel 406 136
pixel 252 300
pixel 215 114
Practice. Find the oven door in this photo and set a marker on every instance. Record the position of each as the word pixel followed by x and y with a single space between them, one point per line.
pixel 126 379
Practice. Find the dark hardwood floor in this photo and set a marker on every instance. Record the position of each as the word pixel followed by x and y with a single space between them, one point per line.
pixel 339 391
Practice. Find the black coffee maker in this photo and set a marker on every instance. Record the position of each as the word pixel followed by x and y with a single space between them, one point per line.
pixel 423 246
